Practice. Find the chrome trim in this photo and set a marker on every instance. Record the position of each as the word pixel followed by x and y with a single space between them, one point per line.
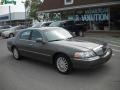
pixel 35 52
pixel 27 40
pixel 107 53
pixel 88 59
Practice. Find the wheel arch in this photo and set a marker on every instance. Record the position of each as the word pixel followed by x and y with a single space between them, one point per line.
pixel 12 47
pixel 58 53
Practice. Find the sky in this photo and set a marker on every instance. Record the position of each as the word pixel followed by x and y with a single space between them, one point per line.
pixel 19 7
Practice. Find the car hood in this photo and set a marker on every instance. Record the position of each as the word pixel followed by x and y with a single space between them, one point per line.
pixel 81 45
pixel 8 31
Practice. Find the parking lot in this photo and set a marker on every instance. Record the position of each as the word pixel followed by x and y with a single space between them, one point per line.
pixel 33 75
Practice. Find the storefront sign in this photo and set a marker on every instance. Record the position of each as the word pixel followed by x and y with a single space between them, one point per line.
pixel 98 14
pixel 9 2
pixel 94 17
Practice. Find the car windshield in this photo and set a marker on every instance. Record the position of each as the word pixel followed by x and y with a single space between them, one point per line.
pixel 57 34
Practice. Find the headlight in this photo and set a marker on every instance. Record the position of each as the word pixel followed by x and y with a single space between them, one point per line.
pixel 82 55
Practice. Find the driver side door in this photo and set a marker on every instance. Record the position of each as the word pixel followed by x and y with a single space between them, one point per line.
pixel 38 49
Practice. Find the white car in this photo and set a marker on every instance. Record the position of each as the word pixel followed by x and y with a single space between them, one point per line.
pixel 42 24
pixel 12 31
pixel 4 28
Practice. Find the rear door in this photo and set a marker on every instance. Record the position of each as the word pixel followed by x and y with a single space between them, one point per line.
pixel 24 43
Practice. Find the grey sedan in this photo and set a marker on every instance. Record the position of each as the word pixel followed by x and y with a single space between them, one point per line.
pixel 57 46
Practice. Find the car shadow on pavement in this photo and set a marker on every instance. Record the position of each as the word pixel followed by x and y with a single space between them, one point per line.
pixel 50 67
pixel 92 71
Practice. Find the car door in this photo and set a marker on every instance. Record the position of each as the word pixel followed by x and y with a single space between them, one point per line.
pixel 24 43
pixel 39 50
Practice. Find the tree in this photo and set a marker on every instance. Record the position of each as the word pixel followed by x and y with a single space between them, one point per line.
pixel 33 6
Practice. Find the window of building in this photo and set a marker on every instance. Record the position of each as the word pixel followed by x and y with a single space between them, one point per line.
pixel 67 2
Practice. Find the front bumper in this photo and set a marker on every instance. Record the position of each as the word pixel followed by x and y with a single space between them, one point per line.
pixel 92 62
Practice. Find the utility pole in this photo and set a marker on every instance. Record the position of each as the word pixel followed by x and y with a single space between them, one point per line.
pixel 10 14
pixel 25 12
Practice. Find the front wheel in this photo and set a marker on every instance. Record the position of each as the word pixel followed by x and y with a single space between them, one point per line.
pixel 63 64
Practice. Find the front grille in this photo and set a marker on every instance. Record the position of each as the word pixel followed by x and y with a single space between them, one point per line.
pixel 100 50
pixel 104 48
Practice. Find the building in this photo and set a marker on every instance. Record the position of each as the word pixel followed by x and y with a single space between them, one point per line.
pixel 13 13
pixel 97 14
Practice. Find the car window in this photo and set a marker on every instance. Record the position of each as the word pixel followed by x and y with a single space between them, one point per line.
pixel 35 34
pixel 57 34
pixel 25 35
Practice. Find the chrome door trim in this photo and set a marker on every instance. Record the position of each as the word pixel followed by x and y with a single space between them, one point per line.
pixel 35 52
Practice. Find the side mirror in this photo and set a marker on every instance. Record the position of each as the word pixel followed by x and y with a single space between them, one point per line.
pixel 39 40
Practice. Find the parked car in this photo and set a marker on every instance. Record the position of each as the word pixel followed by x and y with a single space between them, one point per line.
pixel 11 32
pixel 4 28
pixel 71 26
pixel 42 24
pixel 57 46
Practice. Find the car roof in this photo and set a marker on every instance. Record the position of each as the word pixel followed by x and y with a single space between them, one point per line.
pixel 46 28
pixel 41 29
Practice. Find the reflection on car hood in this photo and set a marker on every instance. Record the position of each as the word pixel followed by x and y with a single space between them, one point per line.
pixel 77 44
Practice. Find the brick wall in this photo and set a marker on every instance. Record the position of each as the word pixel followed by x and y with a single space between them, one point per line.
pixel 54 4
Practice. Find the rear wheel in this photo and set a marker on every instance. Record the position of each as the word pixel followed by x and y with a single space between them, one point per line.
pixel 63 64
pixel 16 54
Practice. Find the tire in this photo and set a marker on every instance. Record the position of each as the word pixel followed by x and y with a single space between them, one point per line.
pixel 16 54
pixel 11 35
pixel 63 64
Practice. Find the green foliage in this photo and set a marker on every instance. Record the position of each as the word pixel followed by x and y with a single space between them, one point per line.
pixel 27 3
pixel 34 7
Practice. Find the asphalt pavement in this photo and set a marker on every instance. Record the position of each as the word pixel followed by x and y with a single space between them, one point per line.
pixel 29 74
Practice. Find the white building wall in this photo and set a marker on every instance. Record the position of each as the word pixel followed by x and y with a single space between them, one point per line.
pixel 17 12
